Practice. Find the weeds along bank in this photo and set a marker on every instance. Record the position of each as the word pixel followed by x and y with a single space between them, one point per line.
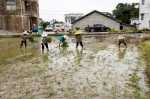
pixel 144 48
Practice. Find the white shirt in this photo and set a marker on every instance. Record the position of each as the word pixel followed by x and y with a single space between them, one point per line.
pixel 62 27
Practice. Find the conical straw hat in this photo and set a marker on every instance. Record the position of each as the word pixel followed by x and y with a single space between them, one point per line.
pixel 120 37
pixel 78 32
pixel 25 32
pixel 65 36
pixel 44 35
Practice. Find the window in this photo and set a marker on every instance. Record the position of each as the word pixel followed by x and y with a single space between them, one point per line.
pixel 58 26
pixel 67 26
pixel 143 1
pixel 10 5
pixel 26 3
pixel 142 16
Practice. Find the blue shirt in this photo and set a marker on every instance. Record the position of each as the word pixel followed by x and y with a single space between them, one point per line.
pixel 34 29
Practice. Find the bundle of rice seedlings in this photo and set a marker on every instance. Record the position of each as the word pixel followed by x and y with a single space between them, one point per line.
pixel 49 39
pixel 31 38
pixel 65 44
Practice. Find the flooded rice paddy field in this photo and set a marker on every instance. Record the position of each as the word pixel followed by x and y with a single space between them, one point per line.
pixel 99 71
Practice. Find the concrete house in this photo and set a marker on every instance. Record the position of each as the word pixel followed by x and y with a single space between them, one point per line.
pixel 144 14
pixel 96 17
pixel 18 15
pixel 69 18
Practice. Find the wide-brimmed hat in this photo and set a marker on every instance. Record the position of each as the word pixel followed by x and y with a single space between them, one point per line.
pixel 78 32
pixel 25 32
pixel 65 36
pixel 120 37
pixel 44 35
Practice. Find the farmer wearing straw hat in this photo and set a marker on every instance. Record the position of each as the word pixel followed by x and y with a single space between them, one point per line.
pixel 44 42
pixel 62 39
pixel 121 40
pixel 23 39
pixel 78 39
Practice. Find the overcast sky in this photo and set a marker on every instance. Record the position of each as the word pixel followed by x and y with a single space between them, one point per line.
pixel 55 9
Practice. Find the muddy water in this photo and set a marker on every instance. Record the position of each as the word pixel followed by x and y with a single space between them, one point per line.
pixel 99 71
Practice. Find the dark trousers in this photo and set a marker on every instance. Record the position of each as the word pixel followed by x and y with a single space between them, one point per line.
pixel 23 42
pixel 78 44
pixel 121 41
pixel 45 45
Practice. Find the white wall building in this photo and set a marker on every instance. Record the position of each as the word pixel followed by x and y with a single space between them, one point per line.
pixel 144 14
pixel 69 18
pixel 135 21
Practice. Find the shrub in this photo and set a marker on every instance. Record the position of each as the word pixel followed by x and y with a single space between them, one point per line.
pixel 123 30
pixel 77 28
pixel 31 39
pixel 145 29
pixel 139 31
pixel 71 32
pixel 49 39
pixel 113 30
pixel 65 44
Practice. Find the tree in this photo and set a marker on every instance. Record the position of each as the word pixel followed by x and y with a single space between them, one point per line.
pixel 58 22
pixel 44 23
pixel 125 12
pixel 109 14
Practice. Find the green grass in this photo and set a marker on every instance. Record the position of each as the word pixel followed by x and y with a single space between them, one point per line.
pixel 145 52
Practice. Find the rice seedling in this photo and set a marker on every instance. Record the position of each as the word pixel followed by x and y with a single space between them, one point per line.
pixel 85 88
pixel 20 76
pixel 31 38
pixel 32 97
pixel 51 94
pixel 66 94
pixel 75 69
pixel 87 97
pixel 108 73
pixel 41 70
pixel 49 39
pixel 65 44
pixel 104 83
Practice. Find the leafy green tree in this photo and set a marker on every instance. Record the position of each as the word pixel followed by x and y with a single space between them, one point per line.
pixel 109 14
pixel 44 23
pixel 125 12
pixel 58 22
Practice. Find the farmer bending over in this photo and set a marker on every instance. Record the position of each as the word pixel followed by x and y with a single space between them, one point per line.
pixel 121 40
pixel 62 39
